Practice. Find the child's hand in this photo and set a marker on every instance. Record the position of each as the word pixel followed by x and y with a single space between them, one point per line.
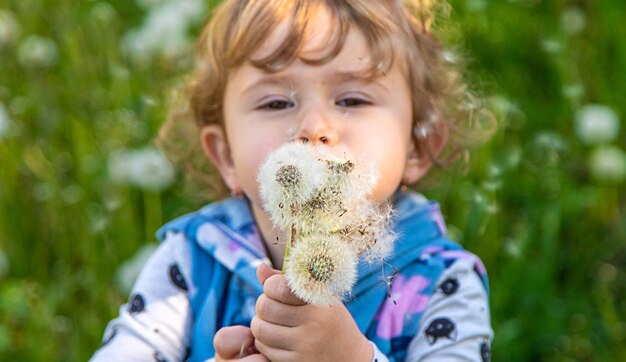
pixel 287 329
pixel 236 344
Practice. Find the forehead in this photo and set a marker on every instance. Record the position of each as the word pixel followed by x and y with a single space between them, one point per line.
pixel 317 39
pixel 318 31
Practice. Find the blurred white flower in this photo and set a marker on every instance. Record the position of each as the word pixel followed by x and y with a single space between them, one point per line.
pixel 551 45
pixel 129 270
pixel 103 12
pixel 321 269
pixel 573 91
pixel 9 28
pixel 550 141
pixel 512 248
pixel 504 106
pixel 72 194
pixel 145 168
pixel 596 124
pixel 573 21
pixel 164 32
pixel 608 163
pixel 4 121
pixel 476 5
pixel 4 264
pixel 37 52
pixel 150 4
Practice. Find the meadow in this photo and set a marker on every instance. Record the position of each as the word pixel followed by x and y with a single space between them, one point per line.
pixel 85 85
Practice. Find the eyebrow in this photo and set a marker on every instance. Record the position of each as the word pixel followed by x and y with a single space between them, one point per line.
pixel 357 76
pixel 336 76
pixel 270 79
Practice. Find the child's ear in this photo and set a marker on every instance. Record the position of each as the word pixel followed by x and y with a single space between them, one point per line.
pixel 215 146
pixel 417 165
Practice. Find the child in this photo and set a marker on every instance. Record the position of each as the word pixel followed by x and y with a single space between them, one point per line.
pixel 362 77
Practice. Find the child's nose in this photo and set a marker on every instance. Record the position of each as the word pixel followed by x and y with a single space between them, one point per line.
pixel 315 127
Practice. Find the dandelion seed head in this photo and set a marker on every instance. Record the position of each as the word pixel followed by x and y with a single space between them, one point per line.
pixel 287 179
pixel 323 212
pixel 321 200
pixel 288 176
pixel 369 233
pixel 321 269
pixel 317 202
pixel 340 166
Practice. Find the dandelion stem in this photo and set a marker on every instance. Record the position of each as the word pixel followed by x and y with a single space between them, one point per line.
pixel 290 239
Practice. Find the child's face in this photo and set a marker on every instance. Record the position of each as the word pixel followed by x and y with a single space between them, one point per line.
pixel 330 103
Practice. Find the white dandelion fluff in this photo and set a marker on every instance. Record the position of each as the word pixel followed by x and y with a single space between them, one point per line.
pixel 368 230
pixel 320 201
pixel 321 269
pixel 342 199
pixel 289 177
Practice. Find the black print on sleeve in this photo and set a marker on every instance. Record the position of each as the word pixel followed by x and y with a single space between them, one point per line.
pixel 177 277
pixel 485 352
pixel 449 286
pixel 440 328
pixel 137 304
pixel 159 357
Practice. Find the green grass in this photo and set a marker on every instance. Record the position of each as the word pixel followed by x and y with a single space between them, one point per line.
pixel 551 235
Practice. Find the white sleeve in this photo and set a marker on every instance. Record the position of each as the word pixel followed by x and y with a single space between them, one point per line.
pixel 456 324
pixel 378 355
pixel 156 323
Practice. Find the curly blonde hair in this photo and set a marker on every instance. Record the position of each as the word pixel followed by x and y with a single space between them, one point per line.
pixel 393 29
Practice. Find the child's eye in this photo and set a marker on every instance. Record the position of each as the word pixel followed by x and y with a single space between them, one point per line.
pixel 276 104
pixel 352 102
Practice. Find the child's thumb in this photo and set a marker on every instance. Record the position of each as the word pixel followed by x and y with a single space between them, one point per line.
pixel 263 272
pixel 233 342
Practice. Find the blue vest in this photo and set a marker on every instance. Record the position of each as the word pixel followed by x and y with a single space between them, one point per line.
pixel 226 249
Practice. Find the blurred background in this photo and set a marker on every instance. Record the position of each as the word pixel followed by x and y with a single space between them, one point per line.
pixel 85 85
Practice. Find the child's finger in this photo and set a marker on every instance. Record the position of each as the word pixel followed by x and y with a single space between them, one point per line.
pixel 263 272
pixel 276 287
pixel 254 358
pixel 233 342
pixel 273 354
pixel 279 313
pixel 271 335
